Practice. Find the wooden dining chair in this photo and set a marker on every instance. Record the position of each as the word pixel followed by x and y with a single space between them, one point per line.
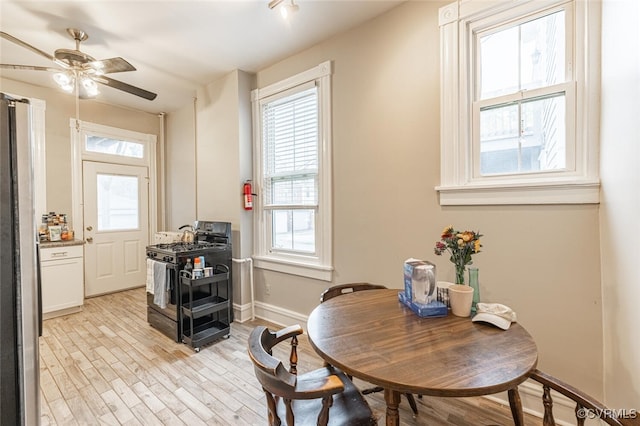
pixel 341 289
pixel 586 405
pixel 325 396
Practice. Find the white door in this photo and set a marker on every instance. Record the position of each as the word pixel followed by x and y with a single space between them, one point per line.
pixel 116 226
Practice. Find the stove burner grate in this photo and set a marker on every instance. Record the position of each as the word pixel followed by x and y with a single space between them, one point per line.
pixel 180 246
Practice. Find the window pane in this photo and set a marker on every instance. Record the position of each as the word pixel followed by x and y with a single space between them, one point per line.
pixel 543 52
pixel 294 230
pixel 117 202
pixel 499 63
pixel 523 137
pixel 524 57
pixel 296 190
pixel 114 147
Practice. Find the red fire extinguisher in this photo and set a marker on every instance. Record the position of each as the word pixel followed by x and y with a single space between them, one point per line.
pixel 248 201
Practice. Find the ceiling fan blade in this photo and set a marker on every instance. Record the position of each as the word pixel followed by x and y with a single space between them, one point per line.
pixel 28 67
pixel 125 87
pixel 111 65
pixel 19 42
pixel 25 45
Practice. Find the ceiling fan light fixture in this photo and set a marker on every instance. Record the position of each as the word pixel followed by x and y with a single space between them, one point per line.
pixel 65 81
pixel 95 67
pixel 90 86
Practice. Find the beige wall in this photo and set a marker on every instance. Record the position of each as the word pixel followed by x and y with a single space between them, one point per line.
pixel 224 162
pixel 180 171
pixel 60 107
pixel 543 261
pixel 620 204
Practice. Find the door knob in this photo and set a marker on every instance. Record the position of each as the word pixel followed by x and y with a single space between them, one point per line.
pixel 89 239
pixel 89 228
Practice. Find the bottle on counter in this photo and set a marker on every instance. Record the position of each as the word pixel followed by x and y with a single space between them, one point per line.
pixel 64 234
pixel 188 267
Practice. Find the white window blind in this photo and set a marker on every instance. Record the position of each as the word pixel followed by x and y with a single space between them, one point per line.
pixel 291 150
pixel 290 138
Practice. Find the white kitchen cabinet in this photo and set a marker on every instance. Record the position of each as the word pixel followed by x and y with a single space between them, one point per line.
pixel 62 278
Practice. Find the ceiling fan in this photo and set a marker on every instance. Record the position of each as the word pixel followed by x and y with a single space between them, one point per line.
pixel 79 70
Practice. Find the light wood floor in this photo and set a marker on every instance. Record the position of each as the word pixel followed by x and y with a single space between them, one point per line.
pixel 106 365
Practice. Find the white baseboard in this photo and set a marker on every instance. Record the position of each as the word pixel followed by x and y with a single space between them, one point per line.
pixel 242 313
pixel 279 316
pixel 530 391
pixel 273 314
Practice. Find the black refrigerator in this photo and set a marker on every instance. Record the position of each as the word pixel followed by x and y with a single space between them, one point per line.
pixel 20 318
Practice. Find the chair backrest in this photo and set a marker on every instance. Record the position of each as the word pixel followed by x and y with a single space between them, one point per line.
pixel 279 382
pixel 261 342
pixel 586 406
pixel 340 289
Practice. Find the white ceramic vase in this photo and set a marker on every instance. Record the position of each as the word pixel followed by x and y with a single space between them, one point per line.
pixel 460 297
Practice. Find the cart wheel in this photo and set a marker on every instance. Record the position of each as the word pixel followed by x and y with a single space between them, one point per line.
pixel 196 349
pixel 227 336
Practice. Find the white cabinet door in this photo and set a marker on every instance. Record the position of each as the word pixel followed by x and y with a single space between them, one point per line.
pixel 62 277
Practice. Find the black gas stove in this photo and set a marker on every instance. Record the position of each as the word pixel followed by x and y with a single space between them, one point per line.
pixel 172 252
pixel 213 241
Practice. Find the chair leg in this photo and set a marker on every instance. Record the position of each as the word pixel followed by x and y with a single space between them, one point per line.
pixel 412 403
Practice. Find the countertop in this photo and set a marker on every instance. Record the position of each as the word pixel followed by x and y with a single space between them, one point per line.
pixel 50 244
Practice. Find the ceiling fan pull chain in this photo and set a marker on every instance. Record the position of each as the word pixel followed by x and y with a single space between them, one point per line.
pixel 77 103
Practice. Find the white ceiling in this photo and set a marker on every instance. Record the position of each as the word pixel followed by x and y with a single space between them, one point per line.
pixel 176 46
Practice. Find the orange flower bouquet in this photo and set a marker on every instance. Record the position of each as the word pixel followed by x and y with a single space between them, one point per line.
pixel 461 245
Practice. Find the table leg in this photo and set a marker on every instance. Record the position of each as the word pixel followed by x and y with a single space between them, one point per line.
pixel 516 407
pixel 393 400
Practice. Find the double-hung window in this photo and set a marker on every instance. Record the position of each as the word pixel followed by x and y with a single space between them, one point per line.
pixel 519 96
pixel 293 179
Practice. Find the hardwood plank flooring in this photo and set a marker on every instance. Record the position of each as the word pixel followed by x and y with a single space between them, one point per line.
pixel 107 366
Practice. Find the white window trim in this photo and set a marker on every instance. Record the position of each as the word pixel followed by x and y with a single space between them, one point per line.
pixel 78 152
pixel 320 265
pixel 457 185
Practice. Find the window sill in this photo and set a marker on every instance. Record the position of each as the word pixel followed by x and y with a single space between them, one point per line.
pixel 318 272
pixel 564 193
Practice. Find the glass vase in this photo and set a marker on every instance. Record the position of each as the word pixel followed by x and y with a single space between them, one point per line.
pixel 473 283
pixel 460 274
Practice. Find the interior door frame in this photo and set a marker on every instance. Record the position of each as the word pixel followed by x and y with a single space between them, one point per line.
pixel 79 129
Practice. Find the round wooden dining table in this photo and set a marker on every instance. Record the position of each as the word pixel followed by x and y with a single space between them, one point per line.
pixel 371 335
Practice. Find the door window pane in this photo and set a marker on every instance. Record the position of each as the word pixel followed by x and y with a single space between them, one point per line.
pixel 118 205
pixel 294 229
pixel 523 137
pixel 105 145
